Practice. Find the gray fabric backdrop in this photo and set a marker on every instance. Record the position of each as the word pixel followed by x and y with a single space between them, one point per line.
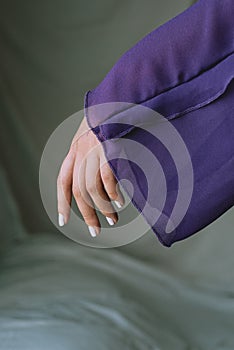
pixel 51 52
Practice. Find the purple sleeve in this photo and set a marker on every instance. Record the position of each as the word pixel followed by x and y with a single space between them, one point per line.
pixel 172 54
pixel 183 70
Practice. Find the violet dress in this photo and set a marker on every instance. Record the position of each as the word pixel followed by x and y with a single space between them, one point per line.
pixel 183 70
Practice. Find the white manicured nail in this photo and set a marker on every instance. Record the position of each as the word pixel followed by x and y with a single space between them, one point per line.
pixel 110 221
pixel 118 204
pixel 61 220
pixel 92 231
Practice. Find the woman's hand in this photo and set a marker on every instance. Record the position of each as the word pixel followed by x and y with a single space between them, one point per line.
pixel 86 175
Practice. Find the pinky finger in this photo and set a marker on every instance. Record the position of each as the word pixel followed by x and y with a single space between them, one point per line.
pixel 64 189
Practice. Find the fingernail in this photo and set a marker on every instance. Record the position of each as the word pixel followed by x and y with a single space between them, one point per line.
pixel 110 221
pixel 92 231
pixel 118 204
pixel 61 220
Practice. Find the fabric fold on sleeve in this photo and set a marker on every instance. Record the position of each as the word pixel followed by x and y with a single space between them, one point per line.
pixel 175 53
pixel 183 71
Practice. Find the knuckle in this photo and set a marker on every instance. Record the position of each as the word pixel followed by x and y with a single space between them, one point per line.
pixel 60 179
pixel 87 218
pixel 63 180
pixel 76 192
pixel 63 177
pixel 91 188
pixel 112 193
pixel 106 176
pixel 90 219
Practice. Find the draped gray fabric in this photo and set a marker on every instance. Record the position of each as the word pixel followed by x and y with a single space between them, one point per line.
pixel 54 293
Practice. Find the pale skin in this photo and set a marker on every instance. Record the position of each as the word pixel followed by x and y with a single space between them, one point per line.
pixel 86 175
